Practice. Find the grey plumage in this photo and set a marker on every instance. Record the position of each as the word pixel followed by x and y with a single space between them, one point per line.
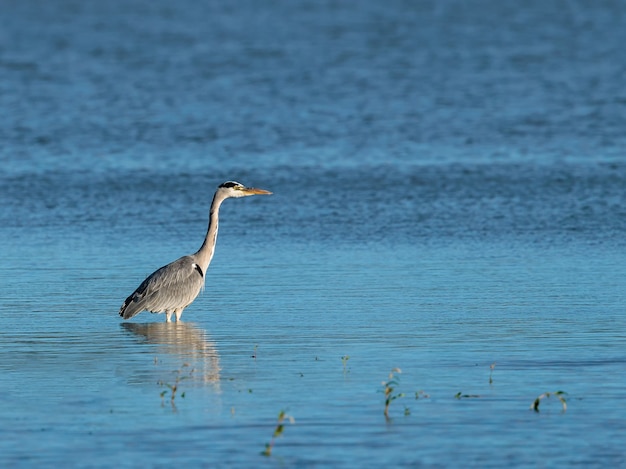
pixel 180 279
pixel 174 286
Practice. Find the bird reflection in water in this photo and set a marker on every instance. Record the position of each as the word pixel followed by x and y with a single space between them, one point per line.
pixel 185 341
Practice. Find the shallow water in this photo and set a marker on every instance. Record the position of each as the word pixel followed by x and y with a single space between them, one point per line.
pixel 449 193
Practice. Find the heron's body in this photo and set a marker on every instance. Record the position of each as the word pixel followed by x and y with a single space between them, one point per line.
pixel 174 286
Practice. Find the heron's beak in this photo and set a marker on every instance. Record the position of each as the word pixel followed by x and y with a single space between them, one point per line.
pixel 255 191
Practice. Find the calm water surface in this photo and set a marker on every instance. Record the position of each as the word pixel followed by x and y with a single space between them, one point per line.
pixel 449 190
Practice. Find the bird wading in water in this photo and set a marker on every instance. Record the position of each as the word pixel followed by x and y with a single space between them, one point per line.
pixel 174 286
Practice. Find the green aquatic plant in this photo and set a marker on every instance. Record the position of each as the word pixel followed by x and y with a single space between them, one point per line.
pixel 181 374
pixel 278 431
pixel 460 395
pixel 344 361
pixel 389 388
pixel 491 367
pixel 559 394
pixel 421 394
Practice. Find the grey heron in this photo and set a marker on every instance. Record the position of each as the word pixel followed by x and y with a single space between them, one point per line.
pixel 174 286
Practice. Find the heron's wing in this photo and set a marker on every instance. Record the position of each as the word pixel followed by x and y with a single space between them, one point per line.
pixel 169 288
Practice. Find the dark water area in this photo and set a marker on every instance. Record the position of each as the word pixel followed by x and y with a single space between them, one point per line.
pixel 449 199
pixel 389 204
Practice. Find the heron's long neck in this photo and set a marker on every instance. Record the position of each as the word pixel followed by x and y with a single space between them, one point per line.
pixel 205 253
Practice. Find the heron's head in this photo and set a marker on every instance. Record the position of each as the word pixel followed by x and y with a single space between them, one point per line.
pixel 236 189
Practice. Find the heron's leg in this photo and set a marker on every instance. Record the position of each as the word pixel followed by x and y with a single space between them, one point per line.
pixel 168 316
pixel 179 313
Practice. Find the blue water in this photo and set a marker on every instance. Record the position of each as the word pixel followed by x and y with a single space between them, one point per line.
pixel 449 192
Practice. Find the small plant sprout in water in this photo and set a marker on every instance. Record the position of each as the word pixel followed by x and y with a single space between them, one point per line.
pixel 174 388
pixel 278 431
pixel 389 388
pixel 344 361
pixel 491 367
pixel 559 394
pixel 254 355
pixel 421 394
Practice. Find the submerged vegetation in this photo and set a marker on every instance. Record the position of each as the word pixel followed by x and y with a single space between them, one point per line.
pixel 344 360
pixel 559 394
pixel 184 372
pixel 389 388
pixel 278 431
pixel 460 395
